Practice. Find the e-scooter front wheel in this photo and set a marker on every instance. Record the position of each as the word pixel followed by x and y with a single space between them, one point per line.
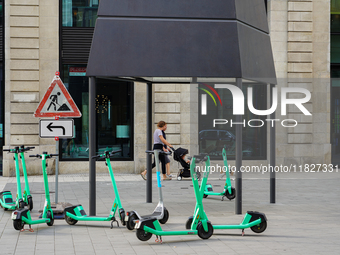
pixel 165 217
pixel 122 217
pixel 70 221
pixel 142 235
pixel 30 203
pixel 232 195
pixel 201 232
pixel 260 227
pixel 50 216
pixel 21 204
pixel 18 224
pixel 189 222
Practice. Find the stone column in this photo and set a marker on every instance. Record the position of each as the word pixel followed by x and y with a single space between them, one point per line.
pixel 31 59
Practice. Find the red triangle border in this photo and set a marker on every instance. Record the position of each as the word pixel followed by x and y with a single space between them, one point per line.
pixel 57 81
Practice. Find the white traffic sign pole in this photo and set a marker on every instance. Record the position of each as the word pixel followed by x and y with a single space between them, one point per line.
pixel 56 166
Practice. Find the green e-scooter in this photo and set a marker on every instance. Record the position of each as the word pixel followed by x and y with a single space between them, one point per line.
pixel 6 199
pixel 200 226
pixel 256 221
pixel 76 213
pixel 228 191
pixel 22 216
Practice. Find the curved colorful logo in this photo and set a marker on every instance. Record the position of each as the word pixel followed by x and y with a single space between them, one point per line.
pixel 204 97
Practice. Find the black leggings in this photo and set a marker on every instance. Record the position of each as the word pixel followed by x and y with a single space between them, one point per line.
pixel 161 157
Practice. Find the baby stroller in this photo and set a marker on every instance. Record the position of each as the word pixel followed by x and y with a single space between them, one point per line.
pixel 185 171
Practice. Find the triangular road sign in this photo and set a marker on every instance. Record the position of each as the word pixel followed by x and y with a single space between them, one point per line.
pixel 57 102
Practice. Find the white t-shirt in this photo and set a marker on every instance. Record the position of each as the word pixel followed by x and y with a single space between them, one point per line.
pixel 156 139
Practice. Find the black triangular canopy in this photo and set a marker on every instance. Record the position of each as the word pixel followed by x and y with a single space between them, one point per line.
pixel 182 38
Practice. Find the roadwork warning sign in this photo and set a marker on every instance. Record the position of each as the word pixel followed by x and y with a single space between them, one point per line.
pixel 57 102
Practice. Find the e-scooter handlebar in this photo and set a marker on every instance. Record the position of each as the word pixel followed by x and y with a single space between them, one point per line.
pixel 160 152
pixel 114 152
pixel 107 154
pixel 34 156
pixel 47 155
pixel 202 157
pixel 14 150
pixel 23 148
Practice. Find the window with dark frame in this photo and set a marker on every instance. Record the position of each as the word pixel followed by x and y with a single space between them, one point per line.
pixel 79 13
pixel 213 139
pixel 114 108
pixel 114 100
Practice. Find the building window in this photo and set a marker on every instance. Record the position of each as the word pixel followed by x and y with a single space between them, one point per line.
pixel 213 140
pixel 79 13
pixel 114 104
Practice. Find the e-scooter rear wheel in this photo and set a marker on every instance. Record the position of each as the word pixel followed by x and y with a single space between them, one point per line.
pixel 201 232
pixel 232 195
pixel 70 221
pixel 50 216
pixel 18 224
pixel 260 227
pixel 165 217
pixel 142 235
pixel 130 224
pixel 30 203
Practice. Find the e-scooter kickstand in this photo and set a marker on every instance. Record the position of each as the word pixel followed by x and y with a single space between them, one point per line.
pixel 114 220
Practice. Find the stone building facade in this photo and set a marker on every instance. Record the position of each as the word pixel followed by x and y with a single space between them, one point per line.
pixel 300 36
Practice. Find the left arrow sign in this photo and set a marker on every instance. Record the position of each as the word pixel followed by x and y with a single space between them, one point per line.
pixel 62 128
pixel 50 127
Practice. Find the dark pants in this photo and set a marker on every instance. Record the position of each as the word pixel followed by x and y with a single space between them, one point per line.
pixel 161 157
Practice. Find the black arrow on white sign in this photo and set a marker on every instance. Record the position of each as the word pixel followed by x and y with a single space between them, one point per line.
pixel 50 127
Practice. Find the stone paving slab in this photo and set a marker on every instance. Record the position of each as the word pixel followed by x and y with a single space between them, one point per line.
pixel 303 221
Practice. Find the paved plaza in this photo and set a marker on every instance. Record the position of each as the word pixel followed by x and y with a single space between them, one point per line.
pixel 305 219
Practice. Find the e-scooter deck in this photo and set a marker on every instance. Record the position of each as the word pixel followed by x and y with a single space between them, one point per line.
pixel 76 213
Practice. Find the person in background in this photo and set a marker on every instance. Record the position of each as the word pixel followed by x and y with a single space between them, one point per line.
pixel 158 144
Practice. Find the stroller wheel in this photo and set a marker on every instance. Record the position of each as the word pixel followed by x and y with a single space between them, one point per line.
pixel 179 178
